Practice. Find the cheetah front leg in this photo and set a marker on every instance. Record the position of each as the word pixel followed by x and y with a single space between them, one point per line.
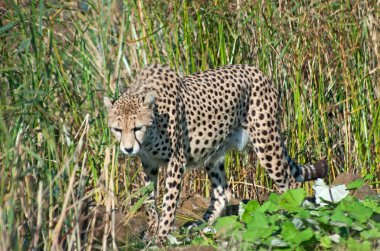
pixel 150 177
pixel 221 193
pixel 173 184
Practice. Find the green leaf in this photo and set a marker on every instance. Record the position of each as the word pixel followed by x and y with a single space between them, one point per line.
pixel 372 203
pixel 305 235
pixel 291 234
pixel 355 184
pixel 368 177
pixel 359 212
pixel 354 245
pixel 292 199
pixel 289 231
pixel 326 242
pixel 251 207
pixel 227 224
pixel 276 219
pixel 340 216
pixel 295 196
pixel 370 234
pixel 275 198
pixel 304 214
pixel 202 241
pixel 255 234
pixel 355 209
pixel 324 217
pixel 258 227
pixel 258 220
pixel 269 206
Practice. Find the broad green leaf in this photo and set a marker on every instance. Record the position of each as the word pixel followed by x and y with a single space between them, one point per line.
pixel 202 241
pixel 304 214
pixel 326 242
pixel 354 245
pixel 227 224
pixel 370 234
pixel 258 227
pixel 355 184
pixel 295 197
pixel 368 177
pixel 251 207
pixel 372 203
pixel 358 211
pixel 292 200
pixel 291 234
pixel 340 216
pixel 276 219
pixel 269 206
pixel 255 234
pixel 275 198
pixel 305 235
pixel 258 220
pixel 289 231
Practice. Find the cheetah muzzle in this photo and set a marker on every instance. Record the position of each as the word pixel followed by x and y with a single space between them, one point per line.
pixel 192 122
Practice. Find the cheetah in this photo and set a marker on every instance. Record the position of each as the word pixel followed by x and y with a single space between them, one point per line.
pixel 192 121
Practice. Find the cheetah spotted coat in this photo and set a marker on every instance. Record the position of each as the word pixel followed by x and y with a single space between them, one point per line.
pixel 192 122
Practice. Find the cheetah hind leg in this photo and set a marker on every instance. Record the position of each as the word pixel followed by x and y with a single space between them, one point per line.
pixel 221 193
pixel 280 167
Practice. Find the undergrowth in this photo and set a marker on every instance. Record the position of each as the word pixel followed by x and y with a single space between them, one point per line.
pixel 287 222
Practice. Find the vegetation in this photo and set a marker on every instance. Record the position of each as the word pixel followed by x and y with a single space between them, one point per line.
pixel 59 58
pixel 282 223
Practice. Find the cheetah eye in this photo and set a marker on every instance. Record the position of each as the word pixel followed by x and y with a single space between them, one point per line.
pixel 116 129
pixel 137 128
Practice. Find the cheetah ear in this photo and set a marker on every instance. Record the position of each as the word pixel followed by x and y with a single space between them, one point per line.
pixel 107 103
pixel 149 99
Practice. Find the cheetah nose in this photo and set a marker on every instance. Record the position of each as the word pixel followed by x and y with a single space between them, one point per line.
pixel 128 150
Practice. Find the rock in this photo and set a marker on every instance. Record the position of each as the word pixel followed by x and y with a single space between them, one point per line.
pixel 190 209
pixel 347 178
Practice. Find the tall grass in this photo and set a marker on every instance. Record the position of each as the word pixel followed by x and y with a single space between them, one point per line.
pixel 58 59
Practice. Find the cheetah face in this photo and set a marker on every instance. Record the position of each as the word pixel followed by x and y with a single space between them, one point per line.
pixel 130 119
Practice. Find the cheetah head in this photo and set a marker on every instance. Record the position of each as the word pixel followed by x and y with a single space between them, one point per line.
pixel 130 119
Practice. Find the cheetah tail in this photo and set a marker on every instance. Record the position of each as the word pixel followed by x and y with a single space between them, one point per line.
pixel 312 171
pixel 315 171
